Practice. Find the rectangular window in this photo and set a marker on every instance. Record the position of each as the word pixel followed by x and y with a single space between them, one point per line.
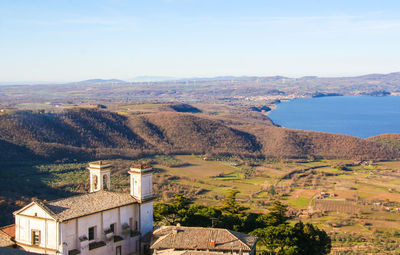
pixel 118 250
pixel 91 233
pixel 131 223
pixel 112 227
pixel 35 237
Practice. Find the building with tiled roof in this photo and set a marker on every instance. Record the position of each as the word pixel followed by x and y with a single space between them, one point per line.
pixel 99 222
pixel 197 240
pixel 178 252
pixel 7 233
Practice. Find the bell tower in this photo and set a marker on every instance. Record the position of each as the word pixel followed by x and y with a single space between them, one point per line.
pixel 100 172
pixel 141 180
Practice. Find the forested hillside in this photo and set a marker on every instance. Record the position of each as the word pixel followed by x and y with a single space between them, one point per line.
pixel 388 139
pixel 84 133
pixel 90 134
pixel 283 142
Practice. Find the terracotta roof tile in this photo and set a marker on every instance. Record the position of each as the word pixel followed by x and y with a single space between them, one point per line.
pixel 5 240
pixel 85 204
pixel 192 238
pixel 174 252
pixel 9 230
pixel 200 253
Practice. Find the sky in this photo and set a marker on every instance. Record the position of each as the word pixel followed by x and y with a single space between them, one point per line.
pixel 70 40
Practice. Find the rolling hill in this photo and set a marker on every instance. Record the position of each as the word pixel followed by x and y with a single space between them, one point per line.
pixel 86 134
pixel 282 142
pixel 387 139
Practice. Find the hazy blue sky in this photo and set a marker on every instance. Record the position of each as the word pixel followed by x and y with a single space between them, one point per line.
pixel 56 40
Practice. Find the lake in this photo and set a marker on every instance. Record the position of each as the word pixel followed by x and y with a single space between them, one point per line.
pixel 351 115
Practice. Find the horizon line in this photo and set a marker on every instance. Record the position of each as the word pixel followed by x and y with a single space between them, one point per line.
pixel 172 78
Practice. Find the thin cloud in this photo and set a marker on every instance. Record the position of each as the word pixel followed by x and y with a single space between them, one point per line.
pixel 100 21
pixel 83 21
pixel 371 21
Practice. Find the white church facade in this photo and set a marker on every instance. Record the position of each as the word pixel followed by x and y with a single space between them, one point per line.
pixel 99 222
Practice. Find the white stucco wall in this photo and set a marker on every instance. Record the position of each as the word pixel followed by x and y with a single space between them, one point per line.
pixel 147 185
pixel 146 215
pixel 53 234
pixel 47 228
pixel 33 217
pixel 141 185
pixel 130 211
pixel 84 223
pixel 111 217
pixel 135 185
pixel 70 235
pixel 35 209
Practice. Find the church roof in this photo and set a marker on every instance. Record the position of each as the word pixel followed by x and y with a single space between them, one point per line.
pixel 197 238
pixel 81 205
pixel 85 204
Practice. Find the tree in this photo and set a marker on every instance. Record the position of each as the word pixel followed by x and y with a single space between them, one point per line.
pixel 276 215
pixel 230 205
pixel 271 190
pixel 164 213
pixel 201 216
pixel 172 213
pixel 279 237
pixel 180 202
pixel 311 240
pixel 181 211
pixel 273 228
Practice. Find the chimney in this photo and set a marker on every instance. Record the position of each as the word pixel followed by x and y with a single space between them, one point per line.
pixel 212 243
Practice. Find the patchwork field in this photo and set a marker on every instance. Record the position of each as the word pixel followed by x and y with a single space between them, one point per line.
pixel 357 203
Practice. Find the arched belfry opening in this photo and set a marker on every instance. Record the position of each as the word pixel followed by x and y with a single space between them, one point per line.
pixel 100 172
pixel 105 182
pixel 95 182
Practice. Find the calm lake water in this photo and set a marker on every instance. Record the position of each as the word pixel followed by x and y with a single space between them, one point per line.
pixel 357 116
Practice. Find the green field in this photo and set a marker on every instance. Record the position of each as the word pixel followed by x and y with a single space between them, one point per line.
pixel 362 201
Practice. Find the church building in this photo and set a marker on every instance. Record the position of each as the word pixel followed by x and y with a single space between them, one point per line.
pixel 96 223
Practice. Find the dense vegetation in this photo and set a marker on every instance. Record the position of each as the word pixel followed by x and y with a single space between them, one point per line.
pixel 181 108
pixel 387 139
pixel 87 134
pixel 287 143
pixel 276 235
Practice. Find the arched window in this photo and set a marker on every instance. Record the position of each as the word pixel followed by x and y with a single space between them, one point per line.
pixel 95 182
pixel 105 187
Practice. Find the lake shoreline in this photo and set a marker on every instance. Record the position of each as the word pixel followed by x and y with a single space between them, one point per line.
pixel 375 122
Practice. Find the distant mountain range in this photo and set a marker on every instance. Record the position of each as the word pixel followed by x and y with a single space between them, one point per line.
pixel 152 78
pixel 94 81
pixel 369 77
pixel 224 88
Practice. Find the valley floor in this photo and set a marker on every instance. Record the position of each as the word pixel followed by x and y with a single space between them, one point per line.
pixel 357 203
